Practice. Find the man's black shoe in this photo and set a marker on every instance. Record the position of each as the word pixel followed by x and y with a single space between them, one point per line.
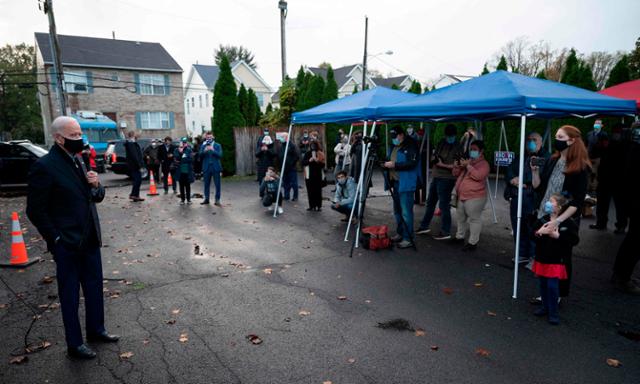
pixel 455 240
pixel 103 337
pixel 205 202
pixel 81 352
pixel 469 247
pixel 597 226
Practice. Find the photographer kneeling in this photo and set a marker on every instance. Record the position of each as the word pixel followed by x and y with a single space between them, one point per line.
pixel 269 190
pixel 403 175
pixel 345 194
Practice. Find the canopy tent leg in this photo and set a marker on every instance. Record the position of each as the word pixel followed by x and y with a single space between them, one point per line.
pixel 493 208
pixel 359 186
pixel 426 181
pixel 349 143
pixel 523 125
pixel 386 139
pixel 284 160
pixel 547 135
pixel 365 158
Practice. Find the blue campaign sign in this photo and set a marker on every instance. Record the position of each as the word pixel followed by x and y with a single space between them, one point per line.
pixel 503 158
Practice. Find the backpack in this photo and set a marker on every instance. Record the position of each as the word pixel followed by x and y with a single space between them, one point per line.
pixel 375 237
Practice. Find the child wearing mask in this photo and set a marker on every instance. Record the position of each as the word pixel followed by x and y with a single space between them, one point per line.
pixel 554 245
pixel 269 190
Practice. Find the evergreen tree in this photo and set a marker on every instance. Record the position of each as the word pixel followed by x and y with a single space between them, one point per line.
pixel 243 102
pixel 586 78
pixel 415 87
pixel 571 72
pixel 269 109
pixel 395 86
pixel 300 78
pixel 313 96
pixel 541 75
pixel 331 88
pixel 252 108
pixel 502 65
pixel 634 61
pixel 287 102
pixel 301 92
pixel 226 114
pixel 355 89
pixel 620 73
pixel 485 70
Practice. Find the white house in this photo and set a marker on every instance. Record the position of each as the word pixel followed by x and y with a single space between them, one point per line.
pixel 446 79
pixel 402 82
pixel 198 91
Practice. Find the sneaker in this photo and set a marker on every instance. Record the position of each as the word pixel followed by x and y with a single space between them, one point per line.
pixel 294 199
pixel 442 236
pixel 205 202
pixel 189 202
pixel 280 211
pixel 538 300
pixel 396 239
pixel 423 231
pixel 469 247
pixel 181 202
pixel 217 204
pixel 456 240
pixel 405 244
pixel 270 209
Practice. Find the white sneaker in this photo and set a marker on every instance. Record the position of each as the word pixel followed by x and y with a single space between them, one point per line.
pixel 270 209
pixel 280 211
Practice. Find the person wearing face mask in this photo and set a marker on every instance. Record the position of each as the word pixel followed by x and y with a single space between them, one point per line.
pixel 597 142
pixel 135 163
pixel 345 195
pixel 211 153
pixel 554 244
pixel 313 163
pixel 343 160
pixel 165 155
pixel 471 192
pixel 442 184
pixel 269 190
pixel 355 152
pixel 183 157
pixel 305 141
pixel 264 157
pixel 534 152
pixel 611 180
pixel 151 158
pixel 289 172
pixel 61 204
pixel 265 133
pixel 401 177
pixel 565 172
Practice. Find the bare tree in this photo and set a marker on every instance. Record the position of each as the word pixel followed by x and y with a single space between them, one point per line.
pixel 601 64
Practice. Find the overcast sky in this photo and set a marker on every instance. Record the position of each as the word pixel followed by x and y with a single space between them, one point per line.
pixel 428 38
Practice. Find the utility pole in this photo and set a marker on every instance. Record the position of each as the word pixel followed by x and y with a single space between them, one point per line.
pixel 282 5
pixel 364 58
pixel 57 61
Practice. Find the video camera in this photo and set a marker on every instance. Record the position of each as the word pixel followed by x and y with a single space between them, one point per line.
pixel 538 161
pixel 373 139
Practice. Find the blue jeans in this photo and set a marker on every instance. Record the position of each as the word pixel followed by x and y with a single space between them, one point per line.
pixel 549 292
pixel 527 245
pixel 439 192
pixel 403 211
pixel 136 176
pixel 75 269
pixel 345 209
pixel 289 181
pixel 207 184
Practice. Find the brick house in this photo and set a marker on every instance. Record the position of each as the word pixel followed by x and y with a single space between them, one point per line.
pixel 136 84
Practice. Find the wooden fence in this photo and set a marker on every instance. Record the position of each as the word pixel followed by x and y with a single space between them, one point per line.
pixel 246 139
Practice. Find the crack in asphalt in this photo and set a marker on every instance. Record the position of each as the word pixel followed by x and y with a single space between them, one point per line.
pixel 225 366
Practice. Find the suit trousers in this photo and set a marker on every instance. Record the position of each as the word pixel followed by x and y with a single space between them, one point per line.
pixel 75 269
pixel 207 175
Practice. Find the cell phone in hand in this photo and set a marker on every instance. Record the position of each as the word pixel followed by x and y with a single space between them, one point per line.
pixel 538 161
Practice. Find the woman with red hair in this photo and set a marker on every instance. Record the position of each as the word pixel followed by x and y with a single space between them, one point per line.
pixel 566 173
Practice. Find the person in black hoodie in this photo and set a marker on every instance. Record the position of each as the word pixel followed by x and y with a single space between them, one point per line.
pixel 265 157
pixel 165 155
pixel 553 247
pixel 135 164
pixel 288 173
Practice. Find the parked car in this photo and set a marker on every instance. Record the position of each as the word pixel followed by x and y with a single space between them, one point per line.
pixel 118 163
pixel 16 158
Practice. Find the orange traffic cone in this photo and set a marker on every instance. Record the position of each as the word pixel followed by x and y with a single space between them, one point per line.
pixel 170 180
pixel 19 256
pixel 152 185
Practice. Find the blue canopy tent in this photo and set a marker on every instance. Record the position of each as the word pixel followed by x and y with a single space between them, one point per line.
pixel 361 106
pixel 501 95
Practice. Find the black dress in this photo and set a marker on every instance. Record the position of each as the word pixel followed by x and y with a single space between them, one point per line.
pixel 313 180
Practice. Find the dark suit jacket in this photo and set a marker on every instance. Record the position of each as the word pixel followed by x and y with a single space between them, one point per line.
pixel 163 155
pixel 211 159
pixel 61 203
pixel 134 155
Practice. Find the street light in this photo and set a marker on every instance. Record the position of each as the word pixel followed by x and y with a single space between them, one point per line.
pixel 382 53
pixel 364 70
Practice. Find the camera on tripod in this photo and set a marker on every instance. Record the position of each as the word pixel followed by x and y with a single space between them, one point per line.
pixel 373 139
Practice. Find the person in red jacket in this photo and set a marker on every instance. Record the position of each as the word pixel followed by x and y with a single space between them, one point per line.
pixel 471 194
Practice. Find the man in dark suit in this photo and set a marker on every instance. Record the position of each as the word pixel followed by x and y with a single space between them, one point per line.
pixel 165 155
pixel 210 154
pixel 61 204
pixel 135 164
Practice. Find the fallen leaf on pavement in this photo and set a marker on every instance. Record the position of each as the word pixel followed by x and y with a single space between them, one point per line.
pixel 420 332
pixel 183 338
pixel 46 280
pixel 447 291
pixel 170 321
pixel 368 301
pixel 478 285
pixel 434 347
pixel 175 311
pixel 146 341
pixel 304 313
pixel 327 382
pixel 254 339
pixel 225 275
pixel 126 355
pixel 351 360
pixel 19 359
pixel 116 272
pixel 613 363
pixel 342 297
pixel 267 271
pixel 3 306
pixel 482 352
pixel 283 241
pixel 491 313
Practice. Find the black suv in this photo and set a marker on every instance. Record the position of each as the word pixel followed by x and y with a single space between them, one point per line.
pixel 16 158
pixel 119 166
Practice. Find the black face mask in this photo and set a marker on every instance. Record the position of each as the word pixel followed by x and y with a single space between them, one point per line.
pixel 561 145
pixel 73 146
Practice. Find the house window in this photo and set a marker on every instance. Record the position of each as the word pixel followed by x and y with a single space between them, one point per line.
pixel 187 102
pixel 193 102
pixel 260 98
pixel 152 84
pixel 193 126
pixel 200 100
pixel 206 99
pixel 154 120
pixel 76 82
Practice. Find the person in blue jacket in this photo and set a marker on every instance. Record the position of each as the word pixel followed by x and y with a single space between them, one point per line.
pixel 183 158
pixel 403 175
pixel 211 153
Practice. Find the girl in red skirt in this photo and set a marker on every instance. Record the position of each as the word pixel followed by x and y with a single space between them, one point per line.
pixel 554 245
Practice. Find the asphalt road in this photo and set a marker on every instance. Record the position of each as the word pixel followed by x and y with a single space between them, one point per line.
pixel 290 282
